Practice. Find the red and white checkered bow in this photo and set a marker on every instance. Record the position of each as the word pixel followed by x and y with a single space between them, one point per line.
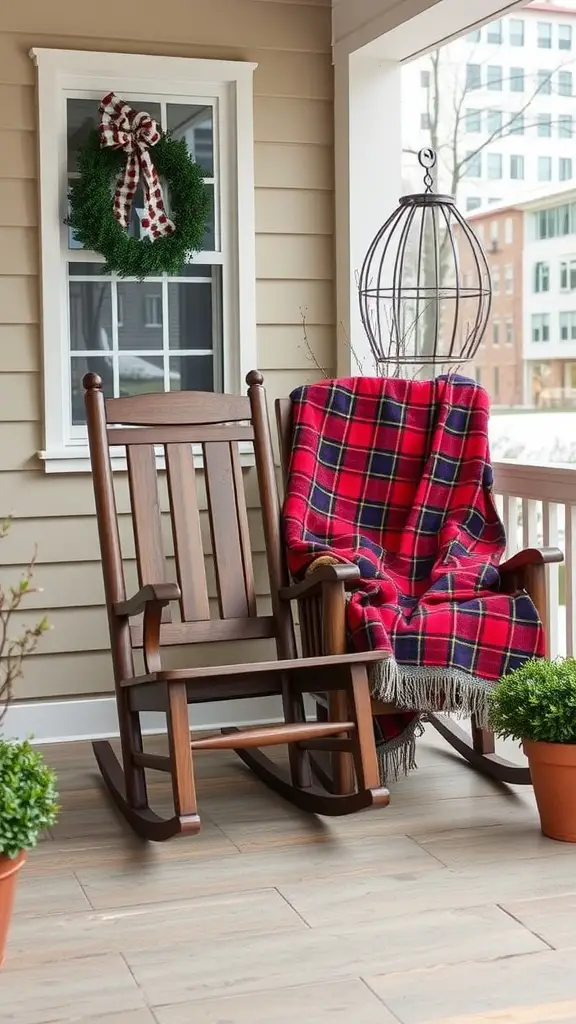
pixel 123 128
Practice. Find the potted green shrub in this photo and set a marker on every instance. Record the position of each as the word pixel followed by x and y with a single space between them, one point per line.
pixel 28 798
pixel 537 705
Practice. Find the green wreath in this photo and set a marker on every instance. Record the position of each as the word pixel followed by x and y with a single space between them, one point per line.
pixel 92 219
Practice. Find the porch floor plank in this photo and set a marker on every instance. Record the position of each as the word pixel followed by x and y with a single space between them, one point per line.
pixel 445 907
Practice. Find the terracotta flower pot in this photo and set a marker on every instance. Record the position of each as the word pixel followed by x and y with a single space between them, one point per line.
pixel 8 875
pixel 553 772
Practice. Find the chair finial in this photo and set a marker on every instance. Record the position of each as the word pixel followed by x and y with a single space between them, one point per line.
pixel 254 378
pixel 92 382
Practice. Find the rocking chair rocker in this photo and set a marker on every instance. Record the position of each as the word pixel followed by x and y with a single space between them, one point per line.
pixel 319 601
pixel 174 422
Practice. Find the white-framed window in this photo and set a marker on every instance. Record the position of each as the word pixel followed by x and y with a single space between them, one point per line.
pixel 473 121
pixel 496 333
pixel 516 28
pixel 516 79
pixel 509 279
pixel 494 31
pixel 564 37
pixel 517 167
pixel 495 275
pixel 541 277
pixel 509 331
pixel 494 166
pixel 568 326
pixel 193 331
pixel 508 231
pixel 565 130
pixel 565 168
pixel 568 275
pixel 544 35
pixel 540 327
pixel 544 168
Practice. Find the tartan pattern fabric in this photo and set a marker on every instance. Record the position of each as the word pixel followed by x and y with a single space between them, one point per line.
pixel 394 476
pixel 134 133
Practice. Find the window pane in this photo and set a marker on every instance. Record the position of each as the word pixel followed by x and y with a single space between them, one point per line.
pixel 516 32
pixel 565 126
pixel 192 373
pixel 544 125
pixel 516 79
pixel 544 168
pixel 196 125
pixel 544 35
pixel 564 83
pixel 190 316
pixel 544 83
pixel 473 76
pixel 90 316
pixel 564 37
pixel 494 32
pixel 140 315
pixel 494 77
pixel 140 375
pixel 473 120
pixel 80 365
pixel 494 121
pixel 85 269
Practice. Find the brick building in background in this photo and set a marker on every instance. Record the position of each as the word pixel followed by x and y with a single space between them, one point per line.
pixel 498 364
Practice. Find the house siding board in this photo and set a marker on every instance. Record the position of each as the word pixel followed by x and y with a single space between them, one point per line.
pixel 293 87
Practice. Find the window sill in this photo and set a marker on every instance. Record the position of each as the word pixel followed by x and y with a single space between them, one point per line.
pixel 77 459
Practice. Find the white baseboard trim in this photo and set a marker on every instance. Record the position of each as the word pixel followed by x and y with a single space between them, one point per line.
pixel 62 721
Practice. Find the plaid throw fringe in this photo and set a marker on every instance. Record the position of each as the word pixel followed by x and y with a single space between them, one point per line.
pixel 134 133
pixel 395 477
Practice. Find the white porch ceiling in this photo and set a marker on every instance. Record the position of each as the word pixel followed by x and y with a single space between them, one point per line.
pixel 400 29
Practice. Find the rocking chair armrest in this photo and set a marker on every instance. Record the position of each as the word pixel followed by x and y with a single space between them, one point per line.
pixel 159 594
pixel 530 557
pixel 341 574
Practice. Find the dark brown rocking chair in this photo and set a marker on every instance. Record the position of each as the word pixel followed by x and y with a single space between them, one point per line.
pixel 524 571
pixel 173 422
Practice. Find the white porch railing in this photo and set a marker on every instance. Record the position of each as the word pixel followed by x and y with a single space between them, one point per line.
pixel 538 506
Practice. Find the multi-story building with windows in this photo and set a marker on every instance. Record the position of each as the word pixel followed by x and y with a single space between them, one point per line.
pixel 498 105
pixel 528 356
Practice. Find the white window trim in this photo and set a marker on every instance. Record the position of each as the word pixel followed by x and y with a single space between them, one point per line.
pixel 67 70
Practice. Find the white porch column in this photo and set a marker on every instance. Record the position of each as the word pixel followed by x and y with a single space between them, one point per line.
pixel 368 183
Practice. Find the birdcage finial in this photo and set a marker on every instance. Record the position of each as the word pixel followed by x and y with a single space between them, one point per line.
pixel 427 160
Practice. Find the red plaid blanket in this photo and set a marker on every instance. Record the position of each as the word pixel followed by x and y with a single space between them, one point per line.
pixel 395 477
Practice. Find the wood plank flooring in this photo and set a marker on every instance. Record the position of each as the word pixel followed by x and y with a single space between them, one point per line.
pixel 447 907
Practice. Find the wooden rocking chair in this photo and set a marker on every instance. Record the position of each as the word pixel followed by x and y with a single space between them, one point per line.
pixel 172 423
pixel 524 571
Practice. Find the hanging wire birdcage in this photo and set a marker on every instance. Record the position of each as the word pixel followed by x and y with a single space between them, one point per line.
pixel 424 288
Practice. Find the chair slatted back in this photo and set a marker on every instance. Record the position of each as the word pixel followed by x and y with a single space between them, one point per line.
pixel 283 409
pixel 171 424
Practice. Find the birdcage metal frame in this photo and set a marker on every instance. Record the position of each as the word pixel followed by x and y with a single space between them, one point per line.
pixel 384 300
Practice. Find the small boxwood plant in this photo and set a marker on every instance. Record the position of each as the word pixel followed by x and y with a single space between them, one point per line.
pixel 536 702
pixel 28 798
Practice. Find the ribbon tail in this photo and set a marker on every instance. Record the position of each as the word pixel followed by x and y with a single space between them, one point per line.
pixel 125 190
pixel 155 223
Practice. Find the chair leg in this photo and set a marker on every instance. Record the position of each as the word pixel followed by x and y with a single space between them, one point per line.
pixel 482 739
pixel 183 783
pixel 293 706
pixel 363 744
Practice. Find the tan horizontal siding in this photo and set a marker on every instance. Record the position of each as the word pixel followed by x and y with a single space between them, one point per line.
pixel 297 121
pixel 296 212
pixel 18 250
pixel 78 584
pixel 89 671
pixel 19 348
pixel 241 23
pixel 274 340
pixel 280 165
pixel 34 495
pixel 293 91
